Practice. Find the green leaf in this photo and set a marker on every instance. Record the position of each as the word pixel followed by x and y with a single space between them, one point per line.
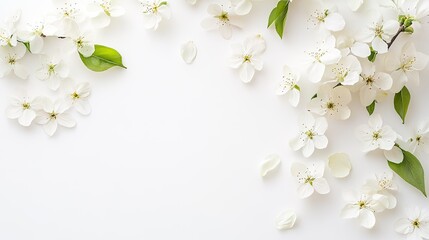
pixel 27 46
pixel 278 16
pixel 373 55
pixel 102 59
pixel 411 170
pixel 371 107
pixel 402 102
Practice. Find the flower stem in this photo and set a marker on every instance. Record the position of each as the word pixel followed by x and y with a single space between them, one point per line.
pixel 400 30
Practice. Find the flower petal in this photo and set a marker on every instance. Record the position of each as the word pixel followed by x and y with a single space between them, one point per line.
pixel 305 190
pixel 321 186
pixel 27 117
pixel 339 165
pixel 270 163
pixel 246 72
pixel 367 218
pixel 188 52
pixel 286 220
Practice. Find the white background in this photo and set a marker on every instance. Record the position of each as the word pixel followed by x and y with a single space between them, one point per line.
pixel 171 151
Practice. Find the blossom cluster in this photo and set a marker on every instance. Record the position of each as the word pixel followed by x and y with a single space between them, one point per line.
pixel 69 24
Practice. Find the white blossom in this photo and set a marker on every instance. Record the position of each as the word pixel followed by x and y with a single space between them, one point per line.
pixel 289 85
pixel 375 135
pixel 24 109
pixel 8 28
pixel 327 19
pixel 154 11
pixel 82 42
pixel 354 5
pixel 321 56
pixel 420 138
pixel 379 33
pixel 311 135
pixel 381 188
pixel 10 61
pixel 361 206
pixel 415 226
pixel 406 67
pixel 310 178
pixel 53 70
pixel 246 57
pixel 332 101
pixel 77 97
pixel 66 17
pixel 35 34
pixel 220 18
pixel 349 45
pixel 101 12
pixel 371 83
pixel 54 114
pixel 346 71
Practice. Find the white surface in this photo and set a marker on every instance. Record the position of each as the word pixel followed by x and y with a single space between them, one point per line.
pixel 172 151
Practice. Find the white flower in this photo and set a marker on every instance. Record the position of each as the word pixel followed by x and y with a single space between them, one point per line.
pixel 53 71
pixel 380 188
pixel 269 164
pixel 375 135
pixel 289 84
pixel 354 5
pixel 8 29
pixel 82 43
pixel 372 83
pixel 10 60
pixel 66 17
pixel 361 206
pixel 101 12
pixel 327 19
pixel 35 35
pixel 311 135
pixel 349 45
pixel 346 71
pixel 246 57
pixel 243 7
pixel 77 97
pixel 415 226
pixel 332 101
pixel 412 9
pixel 310 178
pixel 54 114
pixel 339 165
pixel 153 12
pixel 379 33
pixel 286 220
pixel 406 67
pixel 220 18
pixel 23 109
pixel 324 54
pixel 420 139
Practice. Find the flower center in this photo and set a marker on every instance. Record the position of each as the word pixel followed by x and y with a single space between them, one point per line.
pixel 223 17
pixel 369 80
pixel 12 60
pixel 53 115
pixel 310 134
pixel 75 96
pixel 330 105
pixel 51 69
pixel 416 223
pixel 79 42
pixel 309 180
pixel 378 31
pixel 106 5
pixel 362 204
pixel 376 136
pixel 407 63
pixel 317 55
pixel 25 106
pixel 247 58
pixel 419 139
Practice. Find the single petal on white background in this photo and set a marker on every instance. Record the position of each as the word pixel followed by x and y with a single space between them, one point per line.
pixel 270 163
pixel 286 220
pixel 339 165
pixel 188 52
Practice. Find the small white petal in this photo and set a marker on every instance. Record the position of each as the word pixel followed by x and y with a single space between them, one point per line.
pixel 188 52
pixel 367 218
pixel 27 117
pixel 394 155
pixel 286 220
pixel 350 211
pixel 270 163
pixel 321 186
pixel 246 72
pixel 339 165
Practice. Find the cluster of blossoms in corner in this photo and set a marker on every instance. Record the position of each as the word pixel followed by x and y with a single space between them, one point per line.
pixel 66 25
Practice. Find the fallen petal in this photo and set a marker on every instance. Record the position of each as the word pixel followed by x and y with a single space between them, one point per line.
pixel 270 163
pixel 286 220
pixel 188 52
pixel 339 165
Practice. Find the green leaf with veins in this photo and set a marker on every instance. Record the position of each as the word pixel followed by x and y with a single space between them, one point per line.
pixel 411 170
pixel 278 16
pixel 402 102
pixel 371 108
pixel 102 59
